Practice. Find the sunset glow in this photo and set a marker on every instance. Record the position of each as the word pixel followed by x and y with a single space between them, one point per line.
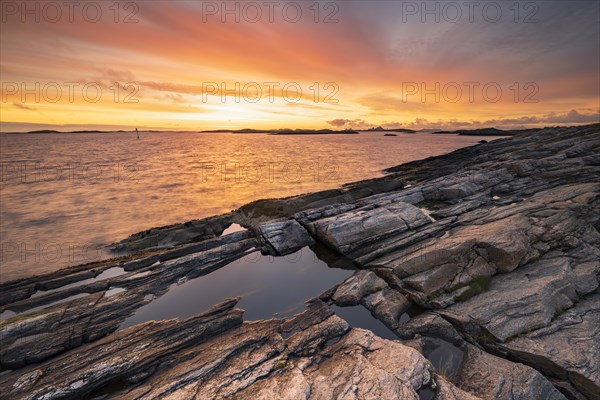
pixel 190 65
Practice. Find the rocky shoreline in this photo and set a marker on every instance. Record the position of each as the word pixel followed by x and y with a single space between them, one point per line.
pixel 483 265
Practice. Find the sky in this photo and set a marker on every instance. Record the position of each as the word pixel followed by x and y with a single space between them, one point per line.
pixel 194 65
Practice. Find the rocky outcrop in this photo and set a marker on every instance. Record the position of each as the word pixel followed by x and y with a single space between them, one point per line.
pixel 349 231
pixel 527 299
pixel 280 238
pixel 491 377
pixel 356 287
pixel 47 325
pixel 130 356
pixel 170 236
pixel 567 349
pixel 482 262
pixel 313 355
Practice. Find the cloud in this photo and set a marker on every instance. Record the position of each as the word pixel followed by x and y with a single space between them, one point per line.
pixel 369 54
pixel 571 117
pixel 567 118
pixel 351 123
pixel 338 122
pixel 361 124
pixel 24 107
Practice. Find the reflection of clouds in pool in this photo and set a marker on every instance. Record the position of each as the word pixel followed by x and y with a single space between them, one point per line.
pixel 426 393
pixel 112 291
pixel 445 357
pixel 232 229
pixel 109 273
pixel 267 285
pixel 360 317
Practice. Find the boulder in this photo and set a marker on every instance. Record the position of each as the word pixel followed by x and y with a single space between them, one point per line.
pixel 359 285
pixel 349 231
pixel 280 238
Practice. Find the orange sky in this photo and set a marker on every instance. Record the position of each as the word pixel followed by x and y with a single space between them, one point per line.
pixel 372 58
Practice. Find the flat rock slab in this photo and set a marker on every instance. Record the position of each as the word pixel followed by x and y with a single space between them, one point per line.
pixel 283 237
pixel 527 299
pixel 491 377
pixel 348 231
pixel 568 349
pixel 359 285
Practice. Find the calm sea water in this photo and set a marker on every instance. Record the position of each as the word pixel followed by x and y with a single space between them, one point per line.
pixel 65 196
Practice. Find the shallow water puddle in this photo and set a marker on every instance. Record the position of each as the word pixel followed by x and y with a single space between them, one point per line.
pixel 140 274
pixel 413 311
pixel 404 318
pixel 233 228
pixel 445 357
pixel 109 273
pixel 7 314
pixel 269 286
pixel 360 317
pixel 65 300
pixel 426 393
pixel 113 291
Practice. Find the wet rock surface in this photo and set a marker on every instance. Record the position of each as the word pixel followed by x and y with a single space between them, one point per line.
pixel 482 263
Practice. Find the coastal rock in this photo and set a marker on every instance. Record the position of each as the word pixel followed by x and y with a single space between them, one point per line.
pixel 347 232
pixel 567 349
pixel 214 355
pixel 173 235
pixel 358 366
pixel 526 299
pixel 283 237
pixel 60 320
pixel 447 391
pixel 490 377
pixel 111 359
pixel 356 287
pixel 387 305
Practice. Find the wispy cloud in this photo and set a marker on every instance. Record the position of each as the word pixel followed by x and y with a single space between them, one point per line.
pixel 22 106
pixel 571 117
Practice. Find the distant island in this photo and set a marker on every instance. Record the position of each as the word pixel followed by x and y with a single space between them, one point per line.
pixel 286 131
pixel 401 130
pixel 487 132
pixel 47 131
pixel 238 131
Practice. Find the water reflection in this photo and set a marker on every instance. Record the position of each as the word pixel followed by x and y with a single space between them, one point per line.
pixel 445 357
pixel 268 286
pixel 109 273
pixel 232 229
pixel 360 317
pixel 426 393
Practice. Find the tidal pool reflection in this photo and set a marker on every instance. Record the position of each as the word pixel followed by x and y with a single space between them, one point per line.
pixel 269 286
